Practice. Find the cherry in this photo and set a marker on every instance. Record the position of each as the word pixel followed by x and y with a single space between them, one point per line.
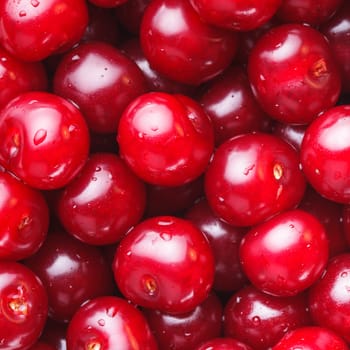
pixel 223 344
pixel 107 3
pixel 45 139
pixel 166 139
pixel 293 73
pixel 54 334
pixel 178 44
pixel 34 29
pixel 109 323
pixel 291 133
pixel 236 190
pixel 42 346
pixel 286 254
pixel 23 306
pixel 185 331
pixel 165 263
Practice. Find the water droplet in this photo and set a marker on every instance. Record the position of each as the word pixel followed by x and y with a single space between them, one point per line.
pixel 154 128
pixel 94 178
pixel 291 225
pixel 74 206
pixel 40 137
pixel 71 128
pixel 111 311
pixel 165 236
pixel 75 58
pixel 35 3
pixel 344 274
pixel 22 13
pixel 101 322
pixel 248 169
pixel 128 253
pixel 3 59
pixel 98 168
pixel 256 320
pixel 221 199
pixel 308 245
pixel 187 334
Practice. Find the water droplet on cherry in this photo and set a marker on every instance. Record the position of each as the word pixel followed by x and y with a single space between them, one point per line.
pixel 39 137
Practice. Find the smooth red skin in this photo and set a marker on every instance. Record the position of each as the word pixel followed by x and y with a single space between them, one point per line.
pixel 101 80
pixel 112 323
pixel 223 344
pixel 239 15
pixel 235 189
pixel 311 338
pixel 24 219
pixel 72 273
pixel 312 12
pixel 156 81
pixel 187 330
pixel 337 31
pixel 224 240
pixel 178 44
pixel 103 202
pixel 166 139
pixel 17 77
pixel 286 254
pixel 108 3
pixel 260 320
pixel 293 73
pixel 329 298
pixel 55 334
pixel 45 140
pixel 42 346
pixel 290 133
pixel 20 330
pixel 325 153
pixel 331 216
pixel 164 263
pixel 33 30
pixel 231 105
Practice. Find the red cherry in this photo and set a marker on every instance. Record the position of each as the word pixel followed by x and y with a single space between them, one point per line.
pixel 223 344
pixel 291 133
pixel 107 3
pixel 42 346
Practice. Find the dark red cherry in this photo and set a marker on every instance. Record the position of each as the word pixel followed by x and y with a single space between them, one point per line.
pixel 107 323
pixel 103 202
pixel 253 177
pixel 54 334
pixel 165 263
pixel 178 44
pixel 286 254
pixel 294 74
pixel 42 346
pixel 23 306
pixel 223 344
pixel 107 3
pixel 291 133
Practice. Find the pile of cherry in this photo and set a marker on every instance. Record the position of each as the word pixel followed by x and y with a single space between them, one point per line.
pixel 174 175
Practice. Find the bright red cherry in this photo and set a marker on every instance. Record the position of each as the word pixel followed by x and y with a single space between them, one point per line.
pixel 178 44
pixel 286 254
pixel 253 177
pixel 223 344
pixel 103 202
pixel 107 323
pixel 165 263
pixel 165 139
pixel 325 152
pixel 294 74
pixel 45 140
pixel 35 29
pixel 23 306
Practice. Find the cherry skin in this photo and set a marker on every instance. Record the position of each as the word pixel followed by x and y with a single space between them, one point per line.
pixel 72 273
pixel 178 44
pixel 234 187
pixel 25 219
pixel 329 298
pixel 325 152
pixel 45 139
pixel 107 3
pixel 223 344
pixel 23 306
pixel 237 15
pixel 291 133
pixel 42 346
pixel 33 30
pixel 260 320
pixel 103 202
pixel 187 330
pixel 166 139
pixel 108 323
pixel 311 338
pixel 101 81
pixel 286 254
pixel 164 263
pixel 55 334
pixel 294 74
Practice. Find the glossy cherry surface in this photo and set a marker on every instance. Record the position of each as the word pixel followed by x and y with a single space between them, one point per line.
pixel 54 334
pixel 325 153
pixel 165 139
pixel 107 3
pixel 294 74
pixel 45 140
pixel 260 320
pixel 238 193
pixel 72 273
pixel 24 219
pixel 23 306
pixel 291 133
pixel 165 263
pixel 187 330
pixel 178 44
pixel 107 323
pixel 286 254
pixel 237 15
pixel 103 202
pixel 101 81
pixel 34 29
pixel 223 344
pixel 311 338
pixel 42 346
